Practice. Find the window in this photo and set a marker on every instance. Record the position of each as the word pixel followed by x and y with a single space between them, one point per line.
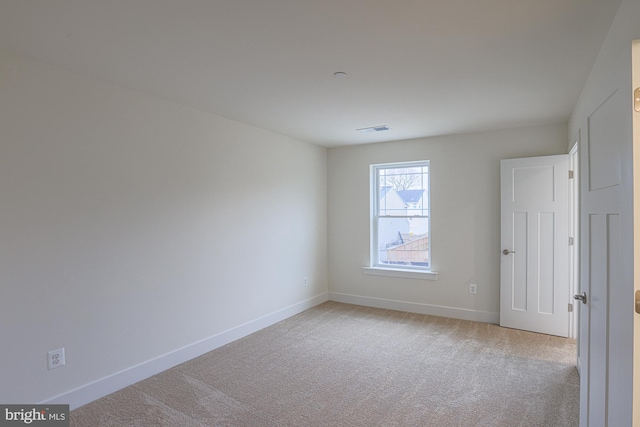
pixel 400 216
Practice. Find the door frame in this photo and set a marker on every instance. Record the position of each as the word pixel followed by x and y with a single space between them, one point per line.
pixel 574 233
pixel 635 83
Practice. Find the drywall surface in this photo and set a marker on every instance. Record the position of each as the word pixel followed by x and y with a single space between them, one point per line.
pixel 132 227
pixel 465 218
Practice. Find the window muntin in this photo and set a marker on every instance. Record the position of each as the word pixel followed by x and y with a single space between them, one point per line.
pixel 400 226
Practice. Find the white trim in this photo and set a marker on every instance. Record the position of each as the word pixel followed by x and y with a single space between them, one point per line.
pixel 574 231
pixel 412 307
pixel 399 272
pixel 119 380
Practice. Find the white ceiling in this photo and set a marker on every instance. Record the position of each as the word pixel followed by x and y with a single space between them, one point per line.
pixel 421 67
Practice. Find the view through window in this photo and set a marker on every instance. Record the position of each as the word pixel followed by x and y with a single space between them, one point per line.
pixel 400 215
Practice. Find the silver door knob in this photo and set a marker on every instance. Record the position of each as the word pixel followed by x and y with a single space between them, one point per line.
pixel 507 252
pixel 582 297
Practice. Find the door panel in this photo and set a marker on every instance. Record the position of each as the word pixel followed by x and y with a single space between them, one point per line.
pixel 546 263
pixel 597 324
pixel 519 270
pixel 534 274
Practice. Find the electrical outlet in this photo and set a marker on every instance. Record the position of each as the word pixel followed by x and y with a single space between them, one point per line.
pixel 473 288
pixel 305 280
pixel 55 358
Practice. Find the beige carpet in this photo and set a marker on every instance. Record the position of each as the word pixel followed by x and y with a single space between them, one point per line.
pixel 345 365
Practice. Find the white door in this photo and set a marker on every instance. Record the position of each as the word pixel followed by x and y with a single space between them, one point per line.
pixel 534 279
pixel 606 253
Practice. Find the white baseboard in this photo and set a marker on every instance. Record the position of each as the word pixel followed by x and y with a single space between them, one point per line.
pixel 412 307
pixel 107 385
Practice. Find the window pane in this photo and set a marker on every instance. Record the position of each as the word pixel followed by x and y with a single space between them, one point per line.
pixel 400 217
pixel 403 241
pixel 403 191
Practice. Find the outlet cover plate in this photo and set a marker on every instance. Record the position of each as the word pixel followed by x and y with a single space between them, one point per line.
pixel 55 358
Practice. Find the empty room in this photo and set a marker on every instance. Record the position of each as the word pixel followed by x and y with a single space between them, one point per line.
pixel 346 213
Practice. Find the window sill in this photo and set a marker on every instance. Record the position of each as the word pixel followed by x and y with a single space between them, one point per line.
pixel 399 272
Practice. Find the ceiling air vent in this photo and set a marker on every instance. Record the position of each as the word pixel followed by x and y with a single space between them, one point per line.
pixel 374 129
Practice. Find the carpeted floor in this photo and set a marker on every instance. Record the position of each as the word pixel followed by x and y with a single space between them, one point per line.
pixel 345 365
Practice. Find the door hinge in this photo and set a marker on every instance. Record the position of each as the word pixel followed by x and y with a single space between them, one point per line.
pixel 570 308
pixel 636 99
pixel 570 241
pixel 570 174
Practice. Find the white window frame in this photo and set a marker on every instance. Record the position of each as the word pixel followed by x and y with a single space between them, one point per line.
pixel 381 269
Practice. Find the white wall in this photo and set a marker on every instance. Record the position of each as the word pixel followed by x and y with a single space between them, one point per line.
pixel 611 76
pixel 465 215
pixel 132 227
